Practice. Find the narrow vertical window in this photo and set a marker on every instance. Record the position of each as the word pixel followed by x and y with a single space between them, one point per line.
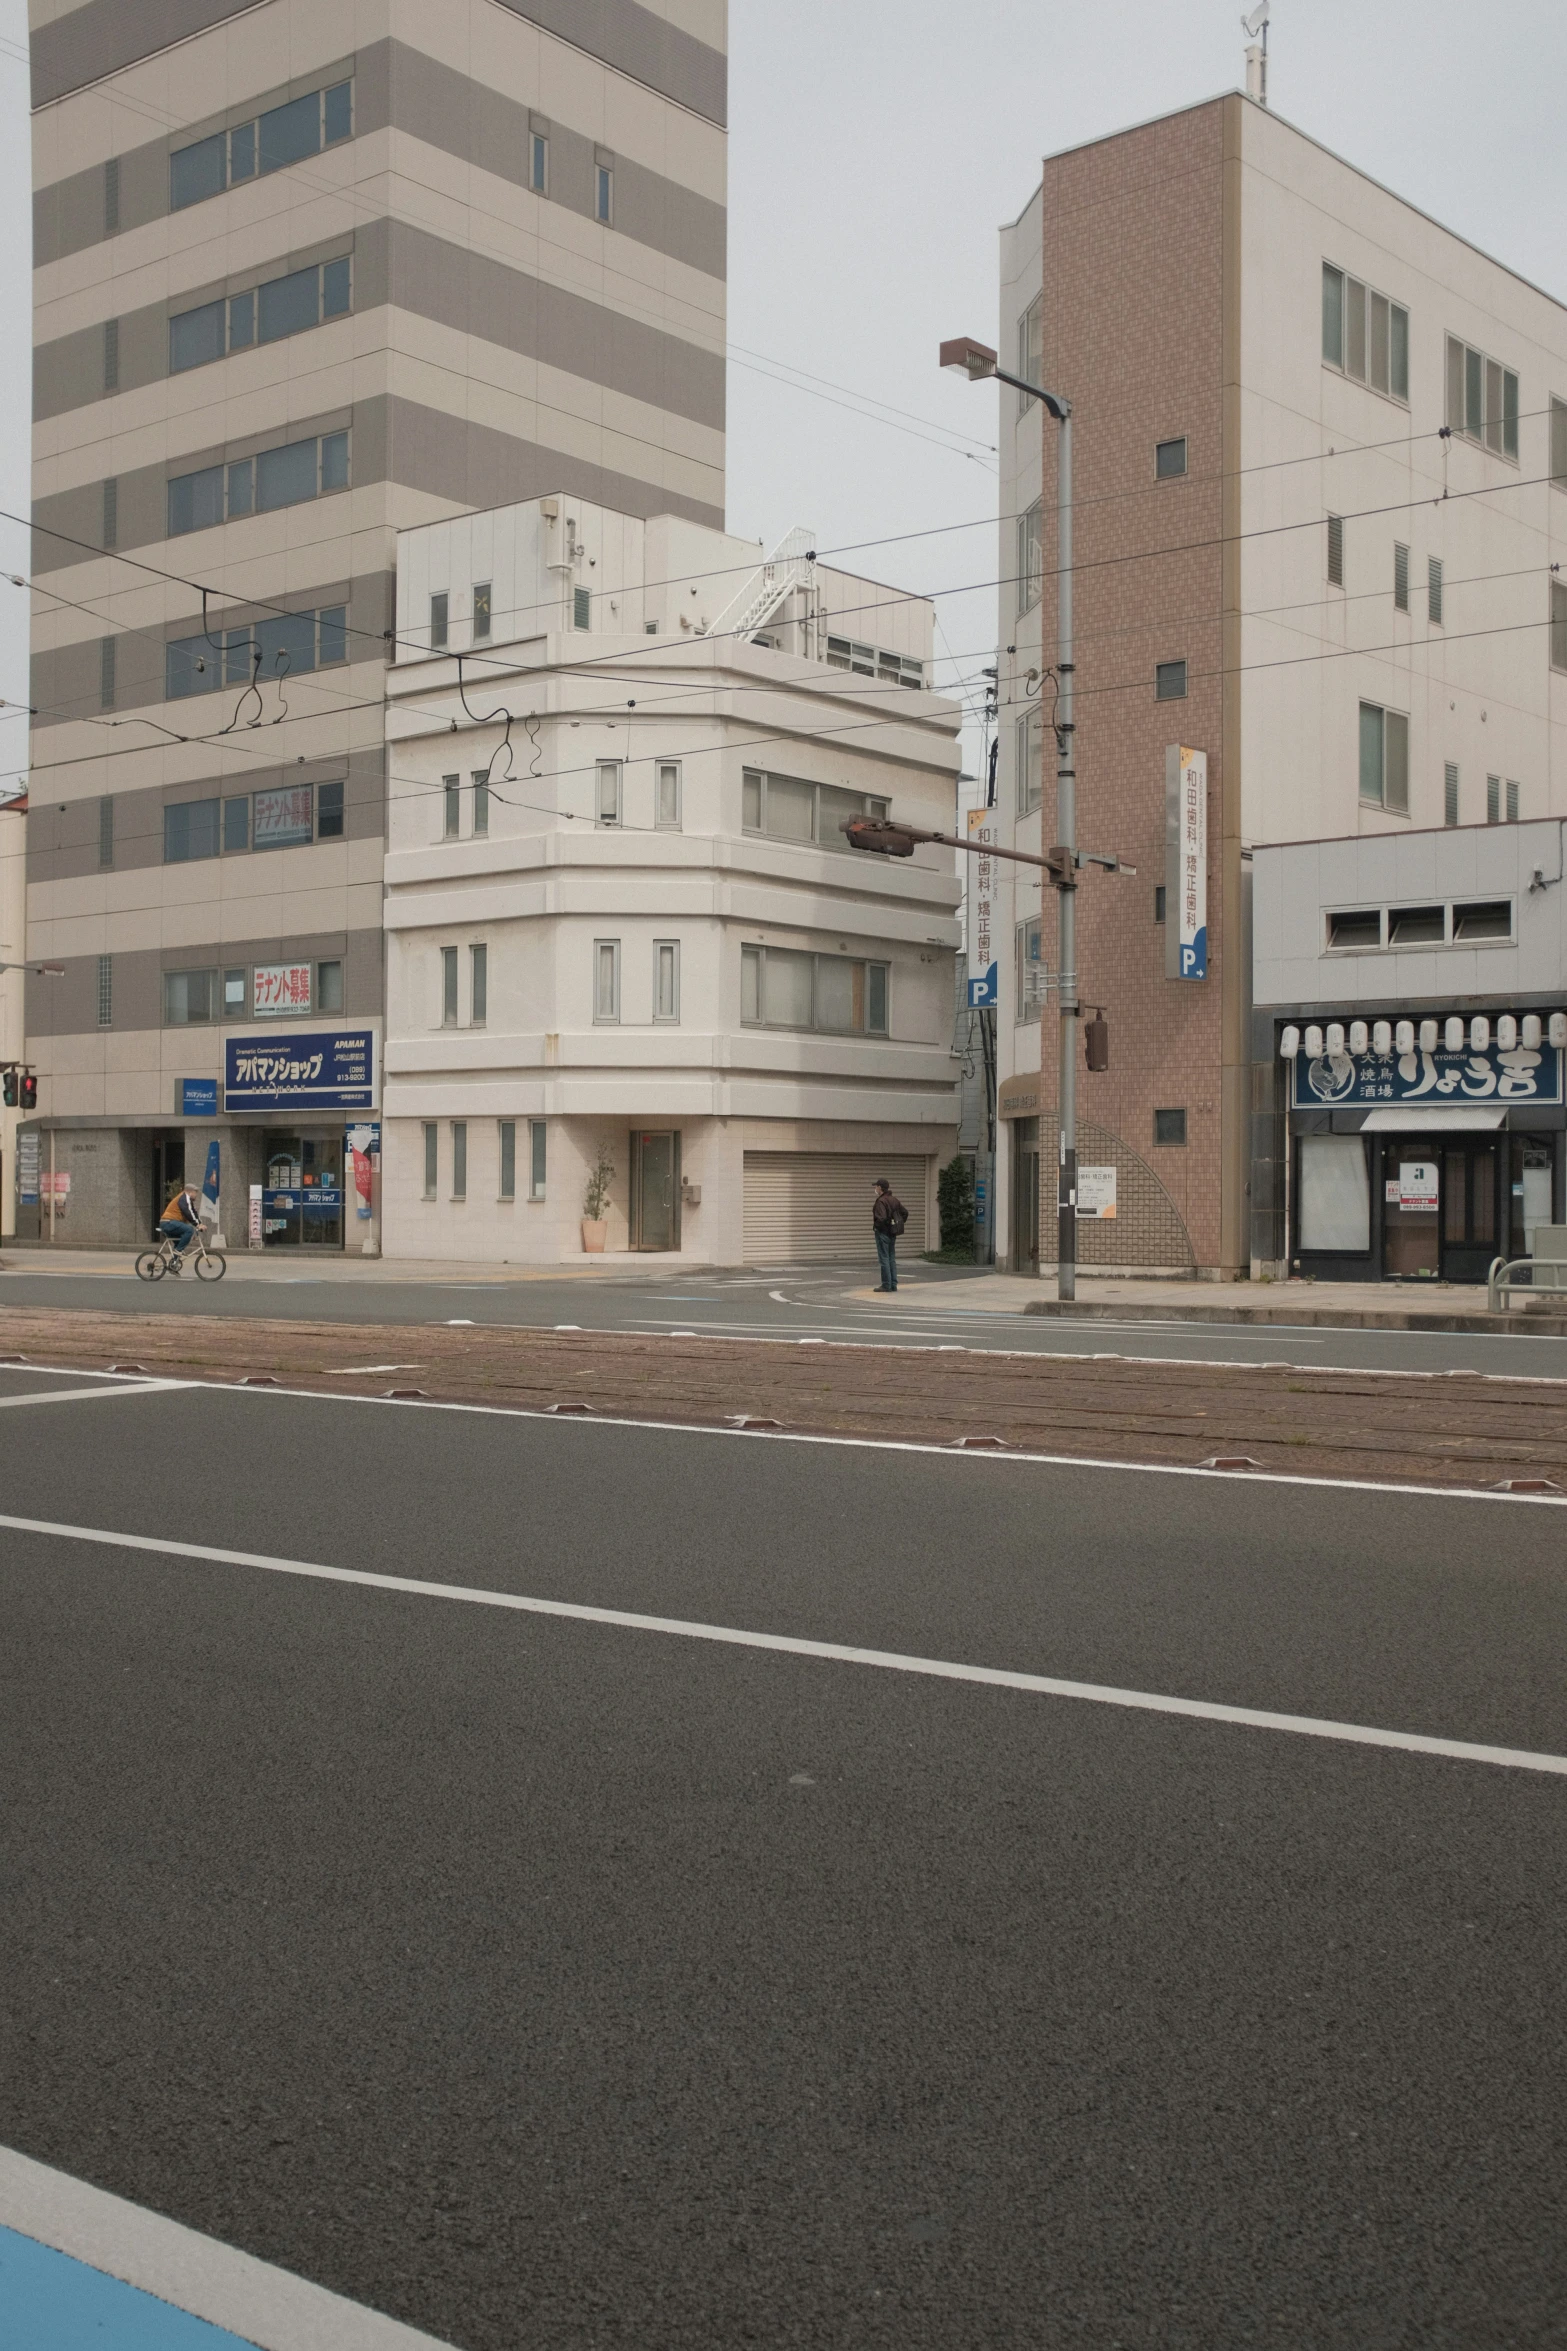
pixel 1512 802
pixel 111 354
pixel 1450 792
pixel 111 511
pixel 669 794
pixel 1355 329
pixel 1434 591
pixel 1558 624
pixel 1559 443
pixel 481 611
pixel 459 1159
pixel 1509 414
pixel 666 979
pixel 1378 376
pixel 105 991
pixel 538 1146
pixel 438 610
pixel 479 994
pixel 1030 557
pixel 1395 783
pixel 481 801
pixel 1400 578
pixel 448 987
pixel 451 807
pixel 106 832
pixel 1332 315
pixel 603 194
pixel 1455 385
pixel 432 1159
pixel 876 976
pixel 1493 799
pixel 1335 551
pixel 508 1184
pixel 106 673
pixel 608 774
pixel 111 197
pixel 539 164
pixel 1399 368
pixel 1371 754
pixel 606 979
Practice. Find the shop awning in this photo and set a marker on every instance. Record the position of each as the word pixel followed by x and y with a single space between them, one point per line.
pixel 1444 1120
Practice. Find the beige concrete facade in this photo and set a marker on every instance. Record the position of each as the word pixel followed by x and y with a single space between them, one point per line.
pixel 267 338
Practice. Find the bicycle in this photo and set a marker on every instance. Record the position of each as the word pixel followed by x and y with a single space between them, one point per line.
pixel 211 1265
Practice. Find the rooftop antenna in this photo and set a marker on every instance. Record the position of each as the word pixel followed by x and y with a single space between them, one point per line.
pixel 1257 52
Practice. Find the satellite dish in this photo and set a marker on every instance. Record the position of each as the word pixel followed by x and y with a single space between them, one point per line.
pixel 1252 25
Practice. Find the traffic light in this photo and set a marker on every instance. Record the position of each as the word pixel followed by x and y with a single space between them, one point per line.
pixel 1096 1042
pixel 8 1089
pixel 29 1090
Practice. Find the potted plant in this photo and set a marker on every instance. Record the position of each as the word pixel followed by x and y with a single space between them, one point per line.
pixel 595 1197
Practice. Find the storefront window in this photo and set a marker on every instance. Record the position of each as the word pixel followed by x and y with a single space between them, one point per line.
pixel 1335 1195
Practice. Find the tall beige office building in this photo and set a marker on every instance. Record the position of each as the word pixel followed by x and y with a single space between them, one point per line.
pixel 308 272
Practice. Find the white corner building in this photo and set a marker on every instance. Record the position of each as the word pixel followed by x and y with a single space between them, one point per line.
pixel 624 926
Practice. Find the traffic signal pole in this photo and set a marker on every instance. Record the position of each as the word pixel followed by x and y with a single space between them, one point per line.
pixel 1066 879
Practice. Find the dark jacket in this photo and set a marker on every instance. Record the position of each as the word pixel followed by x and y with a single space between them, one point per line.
pixel 888 1214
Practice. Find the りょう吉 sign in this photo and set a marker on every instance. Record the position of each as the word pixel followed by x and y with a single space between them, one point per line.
pixel 1351 1081
pixel 314 1069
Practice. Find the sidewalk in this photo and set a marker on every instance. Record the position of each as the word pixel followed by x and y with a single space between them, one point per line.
pixel 333 1265
pixel 1371 1306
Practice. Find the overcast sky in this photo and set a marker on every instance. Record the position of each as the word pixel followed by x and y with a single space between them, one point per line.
pixel 877 145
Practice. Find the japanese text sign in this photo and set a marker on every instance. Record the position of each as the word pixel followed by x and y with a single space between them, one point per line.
pixel 1523 1073
pixel 312 1069
pixel 280 987
pixel 1185 864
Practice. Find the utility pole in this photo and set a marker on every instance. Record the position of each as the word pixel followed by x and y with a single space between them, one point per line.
pixel 979 363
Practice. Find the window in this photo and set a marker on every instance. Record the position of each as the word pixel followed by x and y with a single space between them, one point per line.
pixel 1169 460
pixel 1159 896
pixel 282 819
pixel 1501 800
pixel 111 511
pixel 1482 399
pixel 448 987
pixel 1359 927
pixel 1490 919
pixel 432 1159
pixel 106 831
pixel 666 979
pixel 479 986
pixel 190 831
pixel 1030 761
pixel 606 979
pixel 1030 557
pixel 329 811
pixel 1512 802
pixel 111 197
pixel 105 991
pixel 1416 926
pixel 783 988
pixel 667 811
pixel 459 1159
pixel 1030 349
pixel 481 611
pixel 1364 334
pixel 1170 681
pixel 285 134
pixel 607 776
pixel 1384 759
pixel 438 611
pixel 1400 578
pixel 1169 1128
pixel 869 661
pixel 539 163
pixel 261 314
pixel 189 998
pixel 508 1137
pixel 582 608
pixel 195 501
pixel 603 193
pixel 106 673
pixel 236 995
pixel 451 807
pixel 236 824
pixel 1558 625
pixel 1450 793
pixel 1559 443
pixel 1028 946
pixel 288 646
pixel 1335 1194
pixel 481 802
pixel 329 985
pixel 1335 551
pixel 786 808
pixel 537 1150
pixel 1434 590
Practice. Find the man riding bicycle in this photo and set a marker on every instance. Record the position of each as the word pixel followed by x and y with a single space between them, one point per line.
pixel 179 1223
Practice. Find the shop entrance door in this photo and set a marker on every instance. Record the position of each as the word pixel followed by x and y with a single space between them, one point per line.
pixel 1025 1195
pixel 168 1173
pixel 302 1191
pixel 1411 1214
pixel 655 1191
pixel 1470 1173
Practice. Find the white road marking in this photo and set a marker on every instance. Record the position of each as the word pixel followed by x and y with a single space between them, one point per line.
pixel 778 1297
pixel 89 1395
pixel 213 2281
pixel 344 1371
pixel 832 1652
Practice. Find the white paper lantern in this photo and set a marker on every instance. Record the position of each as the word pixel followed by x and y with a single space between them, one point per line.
pixel 1532 1031
pixel 1428 1036
pixel 1289 1043
pixel 1335 1036
pixel 1314 1042
pixel 1453 1034
pixel 1382 1036
pixel 1557 1031
pixel 1479 1033
pixel 1506 1032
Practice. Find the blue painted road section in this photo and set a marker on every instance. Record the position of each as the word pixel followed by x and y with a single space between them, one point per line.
pixel 48 2302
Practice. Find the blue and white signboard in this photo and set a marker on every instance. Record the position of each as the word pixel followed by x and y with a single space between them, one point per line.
pixel 307 1069
pixel 198 1097
pixel 1185 863
pixel 1351 1081
pixel 980 898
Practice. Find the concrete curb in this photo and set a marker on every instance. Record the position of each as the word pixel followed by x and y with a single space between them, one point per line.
pixel 1522 1325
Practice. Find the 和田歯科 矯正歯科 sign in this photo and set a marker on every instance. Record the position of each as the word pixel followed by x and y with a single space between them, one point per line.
pixel 306 1069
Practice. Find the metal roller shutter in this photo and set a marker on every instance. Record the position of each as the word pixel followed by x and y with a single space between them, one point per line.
pixel 803 1206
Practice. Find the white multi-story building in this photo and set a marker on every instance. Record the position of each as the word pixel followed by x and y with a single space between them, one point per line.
pixel 624 925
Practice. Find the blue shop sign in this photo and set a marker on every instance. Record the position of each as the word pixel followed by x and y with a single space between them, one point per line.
pixel 1352 1081
pixel 310 1069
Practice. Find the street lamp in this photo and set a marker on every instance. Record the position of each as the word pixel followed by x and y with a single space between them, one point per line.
pixel 979 363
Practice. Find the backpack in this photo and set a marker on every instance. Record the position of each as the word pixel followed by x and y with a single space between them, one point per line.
pixel 897 1218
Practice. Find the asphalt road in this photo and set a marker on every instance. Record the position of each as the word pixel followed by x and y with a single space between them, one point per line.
pixel 557 1984
pixel 809 1302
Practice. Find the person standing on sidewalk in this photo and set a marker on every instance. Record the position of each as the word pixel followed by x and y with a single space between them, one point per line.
pixel 888 1218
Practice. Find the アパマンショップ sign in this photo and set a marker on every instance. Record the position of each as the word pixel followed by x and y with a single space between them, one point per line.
pixel 311 1069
